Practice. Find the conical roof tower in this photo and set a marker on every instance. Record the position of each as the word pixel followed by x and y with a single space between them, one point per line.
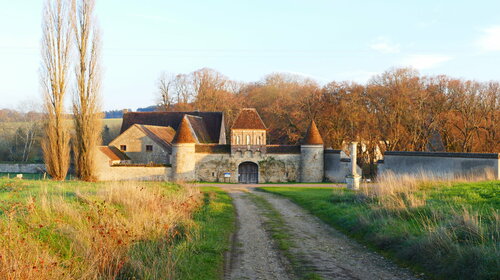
pixel 313 137
pixel 184 134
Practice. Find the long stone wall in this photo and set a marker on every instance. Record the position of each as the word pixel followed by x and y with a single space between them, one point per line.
pixel 107 172
pixel 134 173
pixel 441 165
pixel 22 168
pixel 336 169
pixel 210 167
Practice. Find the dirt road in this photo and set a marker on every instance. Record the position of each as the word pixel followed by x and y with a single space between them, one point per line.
pixel 329 253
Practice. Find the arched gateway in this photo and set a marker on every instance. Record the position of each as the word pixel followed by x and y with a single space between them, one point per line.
pixel 248 173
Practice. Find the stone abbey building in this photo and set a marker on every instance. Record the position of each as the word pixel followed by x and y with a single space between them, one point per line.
pixel 192 146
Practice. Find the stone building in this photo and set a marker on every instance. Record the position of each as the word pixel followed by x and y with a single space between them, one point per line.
pixel 191 146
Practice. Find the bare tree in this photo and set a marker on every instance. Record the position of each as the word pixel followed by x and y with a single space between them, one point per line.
pixel 29 128
pixel 166 89
pixel 56 56
pixel 183 87
pixel 86 101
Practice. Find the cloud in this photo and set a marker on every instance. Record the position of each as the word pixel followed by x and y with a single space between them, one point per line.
pixel 490 39
pixel 425 61
pixel 384 45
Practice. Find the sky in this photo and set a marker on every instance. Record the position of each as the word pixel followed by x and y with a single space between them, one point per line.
pixel 248 39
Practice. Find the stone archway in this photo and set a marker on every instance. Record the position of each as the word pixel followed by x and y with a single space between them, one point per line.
pixel 248 173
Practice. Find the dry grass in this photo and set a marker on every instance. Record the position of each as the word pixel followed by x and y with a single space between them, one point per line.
pixel 408 191
pixel 89 237
pixel 450 229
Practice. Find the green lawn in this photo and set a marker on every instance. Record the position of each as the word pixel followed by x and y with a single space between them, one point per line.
pixel 129 230
pixel 202 257
pixel 452 234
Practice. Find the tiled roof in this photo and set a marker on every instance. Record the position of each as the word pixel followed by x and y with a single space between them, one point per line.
pixel 213 149
pixel 113 153
pixel 313 137
pixel 184 133
pixel 212 121
pixel 282 149
pixel 199 129
pixel 248 118
pixel 160 134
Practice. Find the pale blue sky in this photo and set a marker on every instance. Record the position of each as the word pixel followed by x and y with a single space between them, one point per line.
pixel 245 40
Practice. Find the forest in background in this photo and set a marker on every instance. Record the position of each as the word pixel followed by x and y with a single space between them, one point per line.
pixel 396 110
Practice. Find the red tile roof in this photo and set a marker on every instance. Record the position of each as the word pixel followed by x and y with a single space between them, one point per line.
pixel 160 134
pixel 248 118
pixel 213 121
pixel 184 133
pixel 113 153
pixel 313 137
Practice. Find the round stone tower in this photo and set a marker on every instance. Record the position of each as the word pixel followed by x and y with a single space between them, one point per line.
pixel 312 156
pixel 183 153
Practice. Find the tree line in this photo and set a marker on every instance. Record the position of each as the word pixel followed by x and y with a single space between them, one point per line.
pixel 397 110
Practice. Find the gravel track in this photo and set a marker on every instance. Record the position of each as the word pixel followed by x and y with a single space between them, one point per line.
pixel 331 253
pixel 328 252
pixel 254 255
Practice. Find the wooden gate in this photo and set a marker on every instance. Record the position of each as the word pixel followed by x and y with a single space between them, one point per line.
pixel 248 173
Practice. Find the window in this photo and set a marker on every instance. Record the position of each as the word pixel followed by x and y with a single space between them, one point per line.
pixel 213 174
pixel 258 140
pixel 237 140
pixel 149 148
pixel 248 139
pixel 123 147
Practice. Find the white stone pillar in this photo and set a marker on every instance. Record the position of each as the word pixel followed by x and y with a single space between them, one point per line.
pixel 354 157
pixel 353 179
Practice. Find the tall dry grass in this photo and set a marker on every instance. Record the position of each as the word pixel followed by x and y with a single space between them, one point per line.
pixel 90 236
pixel 404 191
pixel 456 237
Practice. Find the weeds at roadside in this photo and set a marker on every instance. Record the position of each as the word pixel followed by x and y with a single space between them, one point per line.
pixel 89 235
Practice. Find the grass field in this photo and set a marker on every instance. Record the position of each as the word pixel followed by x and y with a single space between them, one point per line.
pixel 445 230
pixel 75 230
pixel 11 127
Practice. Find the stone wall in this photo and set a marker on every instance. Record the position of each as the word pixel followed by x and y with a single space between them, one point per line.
pixel 136 142
pixel 184 162
pixel 134 173
pixel 22 168
pixel 312 163
pixel 336 169
pixel 211 167
pixel 107 172
pixel 443 165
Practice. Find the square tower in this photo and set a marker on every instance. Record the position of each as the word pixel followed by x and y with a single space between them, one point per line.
pixel 248 132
